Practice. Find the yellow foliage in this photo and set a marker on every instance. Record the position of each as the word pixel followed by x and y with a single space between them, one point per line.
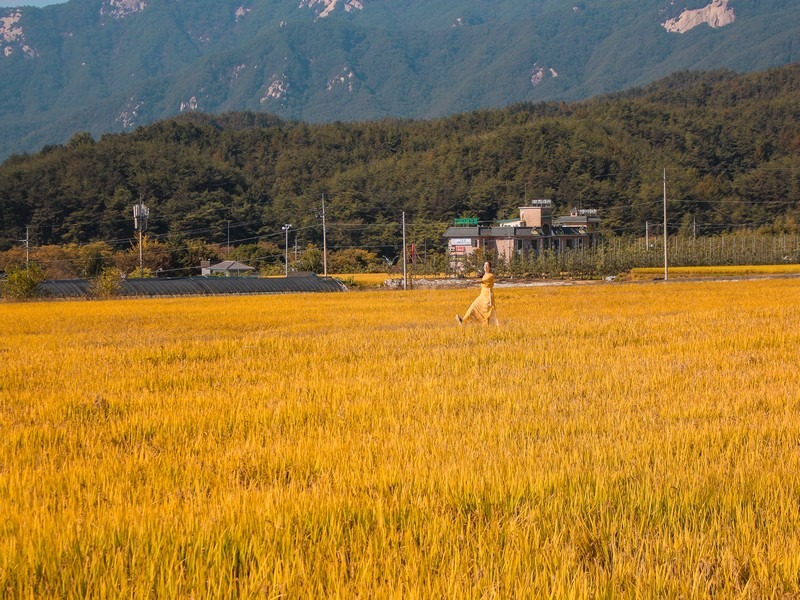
pixel 369 280
pixel 607 440
pixel 366 279
pixel 716 271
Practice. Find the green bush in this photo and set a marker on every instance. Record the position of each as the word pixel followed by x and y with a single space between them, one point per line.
pixel 22 283
pixel 107 284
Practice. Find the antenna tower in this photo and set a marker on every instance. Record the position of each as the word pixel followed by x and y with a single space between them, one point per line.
pixel 140 215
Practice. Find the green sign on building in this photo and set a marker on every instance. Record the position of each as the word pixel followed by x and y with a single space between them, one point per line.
pixel 467 222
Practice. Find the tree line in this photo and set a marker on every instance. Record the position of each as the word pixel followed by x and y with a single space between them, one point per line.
pixel 729 143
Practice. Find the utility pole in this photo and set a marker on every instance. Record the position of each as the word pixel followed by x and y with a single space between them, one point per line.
pixel 286 228
pixel 140 214
pixel 666 267
pixel 405 267
pixel 324 241
pixel 27 242
pixel 229 240
pixel 647 235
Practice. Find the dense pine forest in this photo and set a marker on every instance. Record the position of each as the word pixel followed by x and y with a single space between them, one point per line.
pixel 730 145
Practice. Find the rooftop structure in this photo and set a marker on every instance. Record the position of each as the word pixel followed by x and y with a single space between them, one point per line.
pixel 581 217
pixel 226 267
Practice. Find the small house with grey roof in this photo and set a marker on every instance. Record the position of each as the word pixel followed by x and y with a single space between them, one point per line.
pixel 226 268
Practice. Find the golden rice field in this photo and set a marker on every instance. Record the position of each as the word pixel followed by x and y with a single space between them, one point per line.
pixel 627 441
pixel 377 280
pixel 716 271
pixel 369 280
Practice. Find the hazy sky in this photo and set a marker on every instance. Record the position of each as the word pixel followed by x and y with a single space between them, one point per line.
pixel 7 3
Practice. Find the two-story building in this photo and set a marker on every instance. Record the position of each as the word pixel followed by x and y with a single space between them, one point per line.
pixel 534 232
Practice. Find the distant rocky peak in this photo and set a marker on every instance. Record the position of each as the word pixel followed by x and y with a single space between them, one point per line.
pixel 12 37
pixel 242 12
pixel 323 8
pixel 538 73
pixel 10 31
pixel 119 9
pixel 717 14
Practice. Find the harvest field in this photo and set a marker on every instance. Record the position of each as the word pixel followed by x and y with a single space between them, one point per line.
pixel 716 271
pixel 634 440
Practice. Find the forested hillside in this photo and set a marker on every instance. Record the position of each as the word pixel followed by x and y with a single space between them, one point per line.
pixel 112 65
pixel 730 145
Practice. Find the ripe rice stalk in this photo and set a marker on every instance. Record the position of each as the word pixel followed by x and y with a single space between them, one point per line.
pixel 621 440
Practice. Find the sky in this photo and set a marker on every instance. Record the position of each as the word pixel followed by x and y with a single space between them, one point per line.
pixel 7 3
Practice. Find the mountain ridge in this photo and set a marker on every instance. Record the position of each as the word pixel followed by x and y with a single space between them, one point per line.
pixel 112 65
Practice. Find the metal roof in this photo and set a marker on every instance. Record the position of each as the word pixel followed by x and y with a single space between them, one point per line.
pixel 496 232
pixel 229 265
pixel 462 232
pixel 196 286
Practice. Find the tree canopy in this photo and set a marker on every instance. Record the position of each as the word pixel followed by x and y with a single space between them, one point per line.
pixel 730 145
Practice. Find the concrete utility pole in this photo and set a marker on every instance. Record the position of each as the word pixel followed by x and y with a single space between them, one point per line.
pixel 286 228
pixel 324 241
pixel 666 267
pixel 405 266
pixel 27 242
pixel 140 214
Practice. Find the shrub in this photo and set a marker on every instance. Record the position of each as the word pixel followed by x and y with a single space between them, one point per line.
pixel 107 283
pixel 22 283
